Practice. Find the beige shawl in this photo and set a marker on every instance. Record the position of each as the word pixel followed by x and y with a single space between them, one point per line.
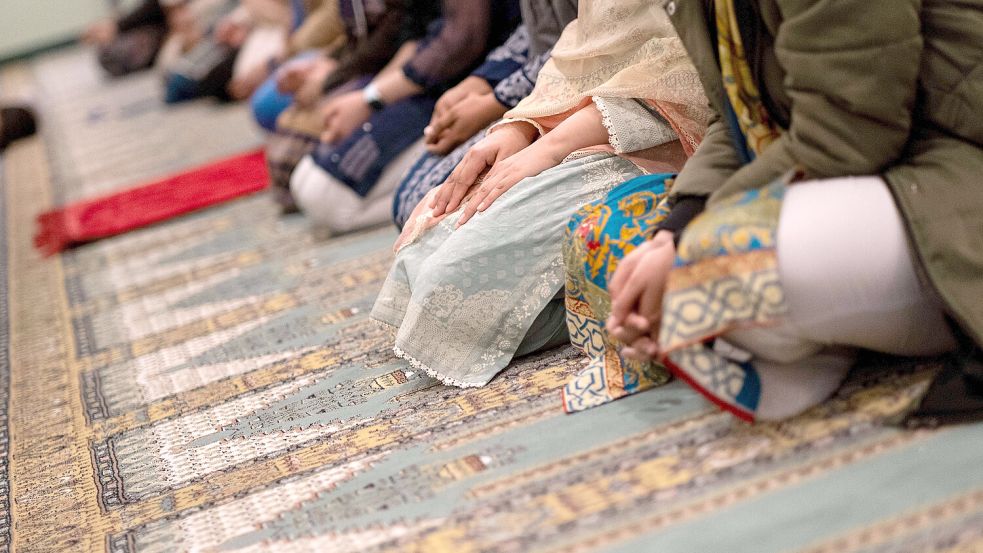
pixel 621 49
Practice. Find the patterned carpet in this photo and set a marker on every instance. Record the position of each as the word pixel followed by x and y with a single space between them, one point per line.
pixel 214 384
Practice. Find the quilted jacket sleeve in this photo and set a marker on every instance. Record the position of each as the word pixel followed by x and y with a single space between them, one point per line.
pixel 851 70
pixel 714 161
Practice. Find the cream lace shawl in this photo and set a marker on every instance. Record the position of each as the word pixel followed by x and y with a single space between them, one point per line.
pixel 621 49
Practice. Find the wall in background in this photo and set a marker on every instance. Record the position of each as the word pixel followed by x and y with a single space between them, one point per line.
pixel 27 25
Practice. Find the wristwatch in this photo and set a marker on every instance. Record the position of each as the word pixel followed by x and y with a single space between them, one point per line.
pixel 372 97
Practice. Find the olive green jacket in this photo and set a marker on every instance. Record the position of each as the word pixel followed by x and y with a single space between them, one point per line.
pixel 866 87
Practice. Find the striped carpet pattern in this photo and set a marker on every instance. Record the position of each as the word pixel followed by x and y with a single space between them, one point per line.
pixel 214 384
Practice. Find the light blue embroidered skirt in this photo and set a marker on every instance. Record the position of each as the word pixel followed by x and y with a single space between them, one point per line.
pixel 461 301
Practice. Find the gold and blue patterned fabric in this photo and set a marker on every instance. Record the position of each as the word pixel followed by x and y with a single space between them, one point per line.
pixel 725 274
pixel 598 236
pixel 725 277
pixel 726 271
pixel 746 113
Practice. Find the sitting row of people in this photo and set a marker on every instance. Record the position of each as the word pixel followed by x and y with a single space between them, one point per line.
pixel 224 49
pixel 739 193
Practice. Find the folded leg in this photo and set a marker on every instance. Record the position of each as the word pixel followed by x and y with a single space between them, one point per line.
pixel 331 203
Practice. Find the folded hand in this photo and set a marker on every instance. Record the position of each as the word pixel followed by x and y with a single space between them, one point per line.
pixel 462 121
pixel 636 292
pixel 504 175
pixel 492 149
pixel 468 87
pixel 342 115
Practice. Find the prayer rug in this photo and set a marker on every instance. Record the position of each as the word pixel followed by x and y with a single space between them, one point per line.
pixel 143 205
pixel 213 384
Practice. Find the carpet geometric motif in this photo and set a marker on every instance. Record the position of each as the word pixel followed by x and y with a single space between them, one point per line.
pixel 214 384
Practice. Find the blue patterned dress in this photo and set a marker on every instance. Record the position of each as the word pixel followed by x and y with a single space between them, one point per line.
pixel 598 237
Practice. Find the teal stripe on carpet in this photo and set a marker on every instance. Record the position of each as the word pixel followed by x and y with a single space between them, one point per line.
pixel 923 472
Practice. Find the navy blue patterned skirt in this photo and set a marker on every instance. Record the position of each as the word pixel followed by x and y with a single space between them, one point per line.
pixel 359 160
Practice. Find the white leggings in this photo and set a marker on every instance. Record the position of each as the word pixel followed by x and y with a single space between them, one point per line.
pixel 332 204
pixel 850 282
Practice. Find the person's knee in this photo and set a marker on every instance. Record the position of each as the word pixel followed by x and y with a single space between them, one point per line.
pixel 325 203
pixel 267 104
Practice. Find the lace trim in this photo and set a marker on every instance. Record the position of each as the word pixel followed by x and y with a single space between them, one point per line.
pixel 602 107
pixel 386 326
pixel 503 122
pixel 579 154
pixel 416 364
pixel 446 380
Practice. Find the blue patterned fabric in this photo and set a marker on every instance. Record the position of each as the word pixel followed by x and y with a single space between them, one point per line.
pixel 359 159
pixel 505 60
pixel 725 277
pixel 598 237
pixel 510 91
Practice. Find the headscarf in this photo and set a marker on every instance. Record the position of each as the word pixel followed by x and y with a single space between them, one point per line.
pixel 621 49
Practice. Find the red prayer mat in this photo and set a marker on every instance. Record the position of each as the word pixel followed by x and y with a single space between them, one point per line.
pixel 151 203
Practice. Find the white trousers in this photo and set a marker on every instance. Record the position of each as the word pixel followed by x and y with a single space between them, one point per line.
pixel 330 203
pixel 850 282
